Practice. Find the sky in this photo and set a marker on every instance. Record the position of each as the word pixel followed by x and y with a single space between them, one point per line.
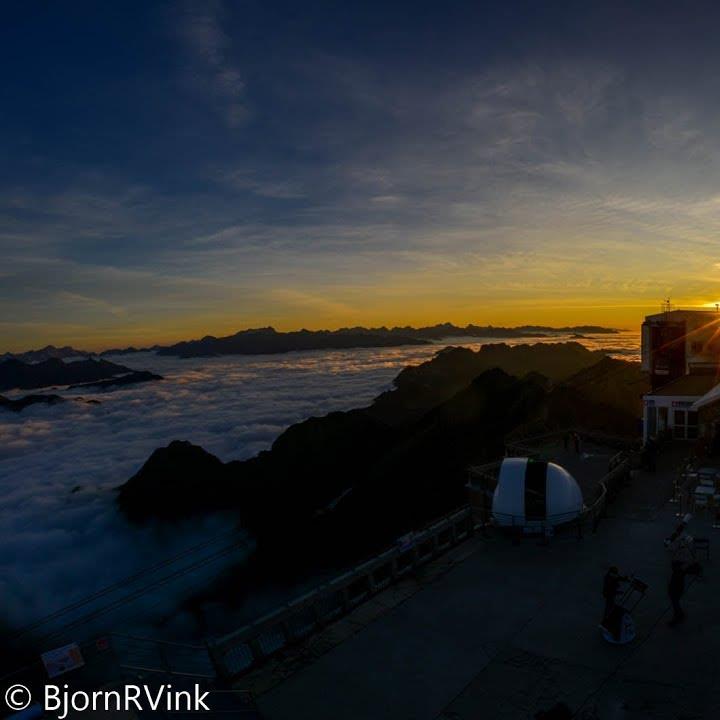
pixel 173 169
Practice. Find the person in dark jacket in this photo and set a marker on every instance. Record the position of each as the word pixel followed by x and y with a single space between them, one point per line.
pixel 648 457
pixel 611 589
pixel 676 588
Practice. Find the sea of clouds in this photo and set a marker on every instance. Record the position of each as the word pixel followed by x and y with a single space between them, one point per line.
pixel 62 536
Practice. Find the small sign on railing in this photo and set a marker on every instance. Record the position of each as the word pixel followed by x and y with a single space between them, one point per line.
pixel 407 542
pixel 62 660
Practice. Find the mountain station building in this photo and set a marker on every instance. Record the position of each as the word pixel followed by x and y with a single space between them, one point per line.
pixel 680 351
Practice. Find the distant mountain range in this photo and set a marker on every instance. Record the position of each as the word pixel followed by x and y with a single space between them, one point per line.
pixel 27 376
pixel 267 340
pixel 19 404
pixel 46 353
pixel 137 376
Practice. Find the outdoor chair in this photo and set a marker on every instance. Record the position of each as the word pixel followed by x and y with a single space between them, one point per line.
pixel 702 545
pixel 700 501
pixel 707 476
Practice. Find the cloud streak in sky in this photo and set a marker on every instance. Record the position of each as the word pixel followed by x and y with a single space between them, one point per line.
pixel 211 69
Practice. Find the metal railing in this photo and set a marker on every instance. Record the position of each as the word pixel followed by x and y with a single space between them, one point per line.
pixel 143 655
pixel 527 446
pixel 241 650
pixel 524 447
pixel 618 469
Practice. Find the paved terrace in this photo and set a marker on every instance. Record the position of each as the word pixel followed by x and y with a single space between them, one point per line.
pixel 496 630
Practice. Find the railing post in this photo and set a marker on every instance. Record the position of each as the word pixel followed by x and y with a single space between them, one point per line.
pixel 287 633
pixel 345 598
pixel 218 661
pixel 256 650
pixel 163 659
pixel 318 615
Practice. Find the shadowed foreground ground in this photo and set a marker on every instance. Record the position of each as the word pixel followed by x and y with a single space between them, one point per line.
pixel 501 631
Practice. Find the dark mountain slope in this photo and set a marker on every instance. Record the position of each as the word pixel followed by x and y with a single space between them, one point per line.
pixel 613 382
pixel 268 341
pixel 606 397
pixel 19 404
pixel 26 376
pixel 340 485
pixel 421 387
pixel 424 474
pixel 308 466
pixel 176 481
pixel 49 351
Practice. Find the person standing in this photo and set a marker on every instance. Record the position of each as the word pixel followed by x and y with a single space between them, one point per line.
pixel 676 588
pixel 611 590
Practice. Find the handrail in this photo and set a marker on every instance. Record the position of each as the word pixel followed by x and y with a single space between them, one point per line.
pixel 524 445
pixel 156 641
pixel 240 650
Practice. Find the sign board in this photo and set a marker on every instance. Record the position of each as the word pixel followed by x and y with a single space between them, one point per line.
pixel 62 660
pixel 406 542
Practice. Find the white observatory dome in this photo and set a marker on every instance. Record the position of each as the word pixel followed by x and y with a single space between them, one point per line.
pixel 535 492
